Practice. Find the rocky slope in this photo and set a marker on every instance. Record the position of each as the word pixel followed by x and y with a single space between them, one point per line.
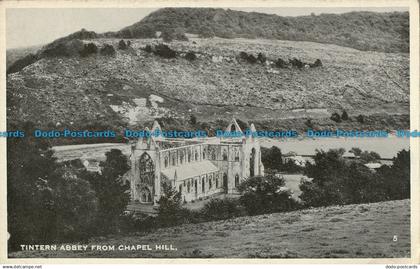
pixel 135 86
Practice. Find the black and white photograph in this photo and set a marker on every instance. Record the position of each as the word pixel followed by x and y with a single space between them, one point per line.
pixel 210 132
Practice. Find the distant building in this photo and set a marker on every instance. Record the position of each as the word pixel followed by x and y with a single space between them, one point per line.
pixel 373 166
pixel 197 168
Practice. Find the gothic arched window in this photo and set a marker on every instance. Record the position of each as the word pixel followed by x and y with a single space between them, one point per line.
pixel 236 180
pixel 236 155
pixel 181 157
pixel 145 195
pixel 166 161
pixel 225 156
pixel 147 169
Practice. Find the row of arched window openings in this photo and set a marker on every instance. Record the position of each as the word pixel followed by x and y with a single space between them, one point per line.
pixel 172 160
pixel 208 183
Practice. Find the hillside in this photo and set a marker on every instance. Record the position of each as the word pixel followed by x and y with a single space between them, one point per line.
pixel 386 32
pixel 352 231
pixel 135 86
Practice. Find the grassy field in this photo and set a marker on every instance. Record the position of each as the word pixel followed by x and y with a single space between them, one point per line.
pixel 352 231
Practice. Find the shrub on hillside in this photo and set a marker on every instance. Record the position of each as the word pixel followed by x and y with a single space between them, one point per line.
pixel 261 58
pixel 88 49
pixel 280 63
pixel 335 117
pixel 317 63
pixel 297 63
pixel 360 119
pixel 148 48
pixel 107 50
pixel 247 57
pixel 344 115
pixel 164 51
pixel 190 56
pixel 122 45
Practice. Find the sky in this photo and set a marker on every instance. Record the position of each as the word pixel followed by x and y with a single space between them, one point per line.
pixel 38 26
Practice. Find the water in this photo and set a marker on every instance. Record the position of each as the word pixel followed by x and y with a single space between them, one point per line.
pixel 386 147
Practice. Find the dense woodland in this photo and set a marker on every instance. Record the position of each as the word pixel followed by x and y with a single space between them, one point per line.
pixel 385 32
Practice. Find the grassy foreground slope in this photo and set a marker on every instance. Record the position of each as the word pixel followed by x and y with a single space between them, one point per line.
pixel 362 231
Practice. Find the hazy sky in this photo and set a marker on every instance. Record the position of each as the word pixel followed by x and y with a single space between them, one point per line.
pixel 27 27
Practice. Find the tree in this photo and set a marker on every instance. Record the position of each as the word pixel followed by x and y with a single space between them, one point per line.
pixel 265 194
pixel 335 117
pixel 369 156
pixel 164 51
pixel 190 56
pixel 30 206
pixel 344 115
pixel 112 193
pixel 360 119
pixel 396 179
pixel 88 49
pixel 193 119
pixel 170 211
pixel 271 158
pixel 47 201
pixel 122 45
pixel 107 50
pixel 356 151
pixel 261 58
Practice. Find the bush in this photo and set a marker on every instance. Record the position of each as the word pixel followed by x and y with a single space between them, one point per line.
pixel 107 50
pixel 265 194
pixel 164 51
pixel 335 117
pixel 360 119
pixel 247 57
pixel 317 63
pixel 297 63
pixel 219 209
pixel 280 63
pixel 148 48
pixel 261 58
pixel 344 115
pixel 122 45
pixel 88 49
pixel 190 56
